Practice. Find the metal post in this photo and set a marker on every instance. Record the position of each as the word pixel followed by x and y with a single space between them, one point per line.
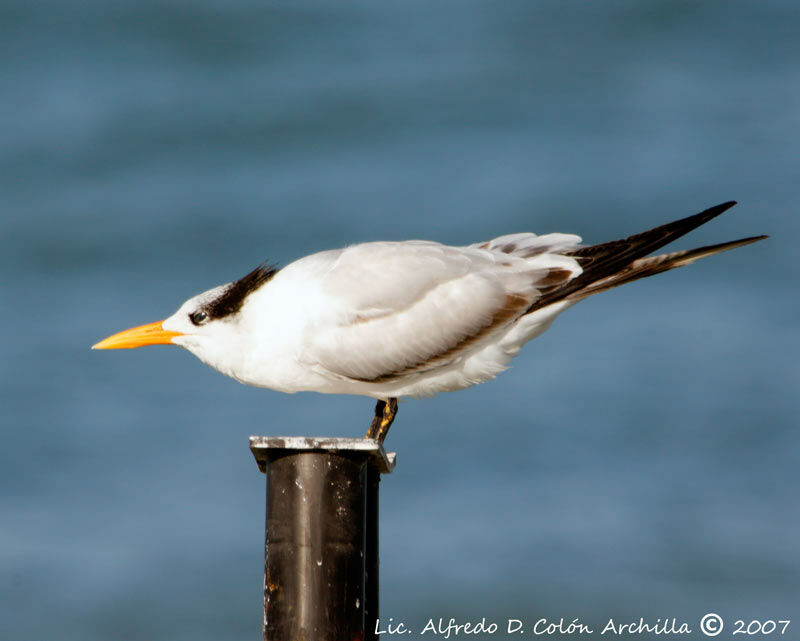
pixel 321 541
pixel 372 585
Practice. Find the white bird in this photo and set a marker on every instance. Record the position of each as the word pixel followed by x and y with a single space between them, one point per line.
pixel 414 318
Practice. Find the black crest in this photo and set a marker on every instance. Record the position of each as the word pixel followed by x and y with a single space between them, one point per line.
pixel 232 298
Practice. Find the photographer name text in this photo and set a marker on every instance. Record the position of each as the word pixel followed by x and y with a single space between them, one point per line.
pixel 709 625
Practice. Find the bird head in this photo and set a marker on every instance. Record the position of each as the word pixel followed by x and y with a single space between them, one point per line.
pixel 208 325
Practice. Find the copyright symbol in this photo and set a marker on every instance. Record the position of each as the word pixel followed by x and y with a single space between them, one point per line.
pixel 711 624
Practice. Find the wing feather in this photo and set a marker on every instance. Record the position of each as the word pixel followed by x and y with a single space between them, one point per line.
pixel 410 307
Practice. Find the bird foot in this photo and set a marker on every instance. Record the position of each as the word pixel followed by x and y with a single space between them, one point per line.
pixel 382 421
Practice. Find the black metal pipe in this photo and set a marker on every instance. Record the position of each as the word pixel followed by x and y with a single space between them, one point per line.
pixel 321 539
pixel 372 566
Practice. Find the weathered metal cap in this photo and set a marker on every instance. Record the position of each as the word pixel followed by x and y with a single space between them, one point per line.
pixel 266 447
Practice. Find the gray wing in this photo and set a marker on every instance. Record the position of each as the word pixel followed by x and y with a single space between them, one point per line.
pixel 410 307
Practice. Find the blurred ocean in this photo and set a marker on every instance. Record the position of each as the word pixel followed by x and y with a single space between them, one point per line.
pixel 640 459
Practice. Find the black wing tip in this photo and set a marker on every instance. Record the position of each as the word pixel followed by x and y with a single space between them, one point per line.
pixel 713 212
pixel 674 230
pixel 731 244
pixel 725 207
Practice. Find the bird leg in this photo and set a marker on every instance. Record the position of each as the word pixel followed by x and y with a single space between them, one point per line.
pixel 382 421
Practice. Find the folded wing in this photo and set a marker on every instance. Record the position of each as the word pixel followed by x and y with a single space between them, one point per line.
pixel 415 306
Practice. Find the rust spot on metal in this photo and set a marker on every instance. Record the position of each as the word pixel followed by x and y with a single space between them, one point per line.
pixel 271 587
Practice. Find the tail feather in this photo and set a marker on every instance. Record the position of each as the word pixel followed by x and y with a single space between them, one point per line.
pixel 611 264
pixel 643 267
pixel 638 245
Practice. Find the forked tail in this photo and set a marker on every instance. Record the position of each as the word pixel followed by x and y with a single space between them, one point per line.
pixel 643 267
pixel 622 261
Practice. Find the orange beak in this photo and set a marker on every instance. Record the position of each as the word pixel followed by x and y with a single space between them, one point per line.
pixel 152 334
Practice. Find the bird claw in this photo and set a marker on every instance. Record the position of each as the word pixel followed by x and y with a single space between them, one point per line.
pixel 385 413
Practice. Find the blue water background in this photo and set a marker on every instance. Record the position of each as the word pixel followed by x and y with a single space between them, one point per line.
pixel 640 459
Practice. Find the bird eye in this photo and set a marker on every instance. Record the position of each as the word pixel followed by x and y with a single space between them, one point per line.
pixel 198 318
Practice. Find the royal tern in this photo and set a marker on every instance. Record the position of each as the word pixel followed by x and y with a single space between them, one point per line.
pixel 415 318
